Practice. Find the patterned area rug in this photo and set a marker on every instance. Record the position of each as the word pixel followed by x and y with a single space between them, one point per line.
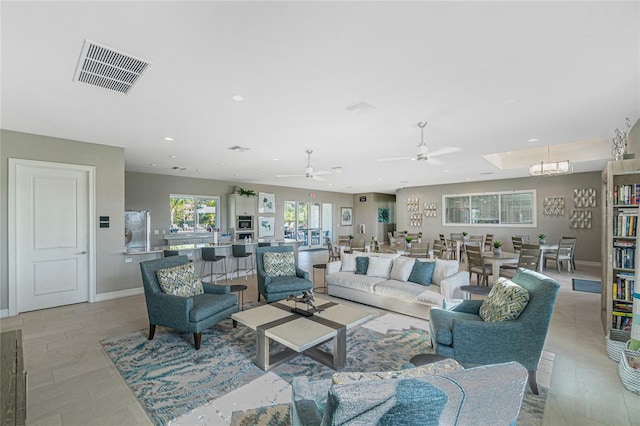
pixel 170 378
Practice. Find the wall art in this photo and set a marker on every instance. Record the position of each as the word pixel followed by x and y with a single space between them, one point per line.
pixel 413 204
pixel 580 219
pixel 266 203
pixel 346 216
pixel 554 206
pixel 415 219
pixel 383 215
pixel 266 226
pixel 430 209
pixel 585 197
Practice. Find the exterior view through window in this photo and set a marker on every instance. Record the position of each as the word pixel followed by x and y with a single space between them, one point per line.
pixel 193 213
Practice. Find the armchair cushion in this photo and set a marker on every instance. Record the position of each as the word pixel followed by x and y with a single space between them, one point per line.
pixel 445 366
pixel 422 272
pixel 180 280
pixel 506 301
pixel 280 264
pixel 206 305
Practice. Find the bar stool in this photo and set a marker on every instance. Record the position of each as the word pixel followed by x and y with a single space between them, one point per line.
pixel 209 255
pixel 239 251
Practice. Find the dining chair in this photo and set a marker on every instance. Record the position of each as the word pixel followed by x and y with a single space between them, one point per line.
pixel 463 254
pixel 442 238
pixel 488 242
pixel 437 249
pixel 334 251
pixel 573 251
pixel 516 240
pixel 374 246
pixel 456 236
pixel 477 239
pixel 356 244
pixel 476 265
pixel 562 254
pixel 419 250
pixel 451 248
pixel 529 259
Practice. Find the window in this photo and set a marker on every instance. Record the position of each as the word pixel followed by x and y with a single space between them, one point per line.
pixel 194 213
pixel 499 208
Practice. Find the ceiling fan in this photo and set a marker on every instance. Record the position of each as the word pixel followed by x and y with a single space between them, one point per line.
pixel 308 171
pixel 423 153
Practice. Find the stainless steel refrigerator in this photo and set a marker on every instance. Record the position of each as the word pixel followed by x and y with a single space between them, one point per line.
pixel 137 229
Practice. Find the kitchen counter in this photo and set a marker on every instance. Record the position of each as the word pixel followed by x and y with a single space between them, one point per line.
pixel 198 246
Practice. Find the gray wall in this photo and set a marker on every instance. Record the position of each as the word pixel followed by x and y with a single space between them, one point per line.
pixel 109 164
pixel 589 240
pixel 145 191
pixel 366 212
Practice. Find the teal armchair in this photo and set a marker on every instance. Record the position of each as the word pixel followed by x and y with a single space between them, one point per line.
pixel 278 288
pixel 461 334
pixel 186 314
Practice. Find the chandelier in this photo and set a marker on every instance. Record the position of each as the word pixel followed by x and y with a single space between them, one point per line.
pixel 549 168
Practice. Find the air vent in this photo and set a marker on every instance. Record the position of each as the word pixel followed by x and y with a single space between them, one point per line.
pixel 109 69
pixel 238 148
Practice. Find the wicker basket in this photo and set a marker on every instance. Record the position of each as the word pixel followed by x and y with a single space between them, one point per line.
pixel 616 343
pixel 630 376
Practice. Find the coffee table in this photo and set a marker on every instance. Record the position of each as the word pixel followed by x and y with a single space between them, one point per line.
pixel 299 334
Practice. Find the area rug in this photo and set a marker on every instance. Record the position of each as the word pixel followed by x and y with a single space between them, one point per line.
pixel 588 286
pixel 170 378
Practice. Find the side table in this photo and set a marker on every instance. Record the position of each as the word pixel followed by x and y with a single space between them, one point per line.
pixel 239 288
pixel 322 266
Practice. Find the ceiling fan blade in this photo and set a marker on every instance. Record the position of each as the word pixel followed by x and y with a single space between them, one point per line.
pixel 284 176
pixel 318 178
pixel 444 151
pixel 322 172
pixel 434 162
pixel 382 160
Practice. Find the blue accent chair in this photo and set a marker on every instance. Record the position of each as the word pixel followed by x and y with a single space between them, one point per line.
pixel 461 334
pixel 187 314
pixel 278 288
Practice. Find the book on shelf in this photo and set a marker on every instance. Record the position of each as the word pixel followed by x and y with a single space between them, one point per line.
pixel 625 224
pixel 626 194
pixel 623 286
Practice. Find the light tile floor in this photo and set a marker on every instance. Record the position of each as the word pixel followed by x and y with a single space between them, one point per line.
pixel 72 382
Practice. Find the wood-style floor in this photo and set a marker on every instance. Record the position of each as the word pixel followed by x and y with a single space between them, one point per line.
pixel 72 382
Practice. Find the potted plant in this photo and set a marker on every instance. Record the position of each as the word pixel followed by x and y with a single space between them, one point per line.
pixel 496 247
pixel 541 238
pixel 351 236
pixel 464 236
pixel 246 192
pixel 408 240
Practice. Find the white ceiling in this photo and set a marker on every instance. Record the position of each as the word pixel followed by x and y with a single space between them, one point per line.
pixel 487 76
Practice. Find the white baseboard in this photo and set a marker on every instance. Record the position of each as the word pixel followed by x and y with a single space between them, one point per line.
pixel 588 263
pixel 4 313
pixel 118 294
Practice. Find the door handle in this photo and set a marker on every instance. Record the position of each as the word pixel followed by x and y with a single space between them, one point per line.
pixel 82 252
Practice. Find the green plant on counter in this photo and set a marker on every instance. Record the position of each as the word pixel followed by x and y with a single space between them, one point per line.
pixel 497 244
pixel 409 239
pixel 542 236
pixel 464 234
pixel 351 236
pixel 246 192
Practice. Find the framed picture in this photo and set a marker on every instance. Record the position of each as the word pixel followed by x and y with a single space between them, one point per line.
pixel 346 216
pixel 265 226
pixel 383 215
pixel 266 203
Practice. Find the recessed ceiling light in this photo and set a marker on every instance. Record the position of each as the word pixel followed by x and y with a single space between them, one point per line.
pixel 533 140
pixel 237 98
pixel 413 159
pixel 153 164
pixel 173 156
pixel 445 171
pixel 379 178
pixel 330 184
pixel 222 164
pixel 275 159
pixel 468 179
pixel 199 170
pixel 168 139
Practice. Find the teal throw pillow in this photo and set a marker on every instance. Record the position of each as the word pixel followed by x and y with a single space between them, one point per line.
pixel 362 264
pixel 422 272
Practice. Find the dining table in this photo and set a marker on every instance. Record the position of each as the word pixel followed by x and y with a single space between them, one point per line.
pixel 496 260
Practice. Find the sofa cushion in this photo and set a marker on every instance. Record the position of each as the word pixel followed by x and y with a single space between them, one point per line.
pixel 362 264
pixel 379 267
pixel 431 295
pixel 348 263
pixel 351 280
pixel 279 264
pixel 444 269
pixel 180 280
pixel 399 290
pixel 422 272
pixel 402 268
pixel 505 302
pixel 390 402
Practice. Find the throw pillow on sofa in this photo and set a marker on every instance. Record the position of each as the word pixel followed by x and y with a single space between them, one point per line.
pixel 506 301
pixel 444 269
pixel 362 264
pixel 180 280
pixel 379 267
pixel 279 264
pixel 348 263
pixel 422 272
pixel 402 268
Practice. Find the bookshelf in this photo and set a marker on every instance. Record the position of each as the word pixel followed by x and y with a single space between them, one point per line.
pixel 621 208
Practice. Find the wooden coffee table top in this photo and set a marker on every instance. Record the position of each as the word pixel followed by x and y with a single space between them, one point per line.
pixel 296 331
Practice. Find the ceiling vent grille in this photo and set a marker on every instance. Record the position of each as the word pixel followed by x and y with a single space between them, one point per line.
pixel 239 148
pixel 109 69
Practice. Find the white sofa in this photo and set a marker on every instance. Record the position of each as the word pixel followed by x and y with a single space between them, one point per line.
pixel 385 284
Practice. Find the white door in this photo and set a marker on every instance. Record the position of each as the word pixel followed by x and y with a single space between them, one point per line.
pixel 52 205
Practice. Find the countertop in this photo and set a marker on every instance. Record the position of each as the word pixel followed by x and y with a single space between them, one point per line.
pixel 198 246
